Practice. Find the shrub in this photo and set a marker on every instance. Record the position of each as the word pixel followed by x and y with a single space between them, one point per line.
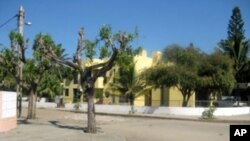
pixel 77 106
pixel 208 113
pixel 132 111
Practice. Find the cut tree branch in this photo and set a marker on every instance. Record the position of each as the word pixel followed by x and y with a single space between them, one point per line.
pixel 49 53
pixel 80 47
pixel 108 65
pixel 115 52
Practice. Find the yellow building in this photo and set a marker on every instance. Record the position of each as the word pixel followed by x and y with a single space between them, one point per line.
pixel 153 97
pixel 72 89
pixel 158 97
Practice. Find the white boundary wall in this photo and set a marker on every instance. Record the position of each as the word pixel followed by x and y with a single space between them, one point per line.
pixel 41 104
pixel 8 118
pixel 232 111
pixel 184 111
pixel 124 109
pixel 8 102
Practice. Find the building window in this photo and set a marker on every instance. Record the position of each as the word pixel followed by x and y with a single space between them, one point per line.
pixel 123 98
pixel 77 95
pixel 66 92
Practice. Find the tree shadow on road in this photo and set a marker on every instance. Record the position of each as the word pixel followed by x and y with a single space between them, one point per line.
pixel 36 122
pixel 60 125
pixel 23 121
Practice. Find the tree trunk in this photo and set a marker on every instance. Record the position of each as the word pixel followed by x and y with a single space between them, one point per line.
pixel 186 98
pixel 91 111
pixel 32 105
pixel 132 102
pixel 184 103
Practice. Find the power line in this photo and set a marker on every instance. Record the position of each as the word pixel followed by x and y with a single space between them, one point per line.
pixel 8 21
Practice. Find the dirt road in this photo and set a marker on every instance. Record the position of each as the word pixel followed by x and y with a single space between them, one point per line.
pixel 141 129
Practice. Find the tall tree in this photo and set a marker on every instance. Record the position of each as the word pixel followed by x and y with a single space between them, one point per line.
pixel 235 45
pixel 34 68
pixel 111 45
pixel 191 70
pixel 129 83
pixel 215 75
pixel 50 85
pixel 179 68
pixel 40 71
pixel 186 63
pixel 7 60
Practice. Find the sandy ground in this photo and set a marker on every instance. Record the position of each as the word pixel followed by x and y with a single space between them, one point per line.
pixel 141 129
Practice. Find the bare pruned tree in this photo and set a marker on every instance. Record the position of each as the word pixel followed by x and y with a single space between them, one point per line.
pixel 112 45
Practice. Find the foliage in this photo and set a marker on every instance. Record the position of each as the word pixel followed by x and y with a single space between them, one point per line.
pixel 215 74
pixel 39 74
pixel 208 113
pixel 132 110
pixel 50 86
pixel 104 52
pixel 189 57
pixel 90 50
pixel 125 60
pixel 161 75
pixel 191 70
pixel 235 45
pixel 99 94
pixel 50 83
pixel 186 62
pixel 130 83
pixel 7 82
pixel 127 81
pixel 7 61
pixel 77 106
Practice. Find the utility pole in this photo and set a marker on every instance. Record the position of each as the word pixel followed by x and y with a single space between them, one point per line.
pixel 20 23
pixel 20 20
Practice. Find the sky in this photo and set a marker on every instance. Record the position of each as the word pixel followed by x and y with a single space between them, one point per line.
pixel 160 22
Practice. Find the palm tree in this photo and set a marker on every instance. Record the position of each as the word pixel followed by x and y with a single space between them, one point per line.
pixel 50 86
pixel 130 84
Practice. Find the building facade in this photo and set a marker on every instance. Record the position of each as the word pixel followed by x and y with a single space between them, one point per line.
pixel 152 97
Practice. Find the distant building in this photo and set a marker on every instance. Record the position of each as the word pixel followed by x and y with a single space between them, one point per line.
pixel 154 97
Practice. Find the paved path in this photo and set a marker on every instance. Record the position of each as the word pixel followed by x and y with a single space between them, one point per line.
pixel 57 125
